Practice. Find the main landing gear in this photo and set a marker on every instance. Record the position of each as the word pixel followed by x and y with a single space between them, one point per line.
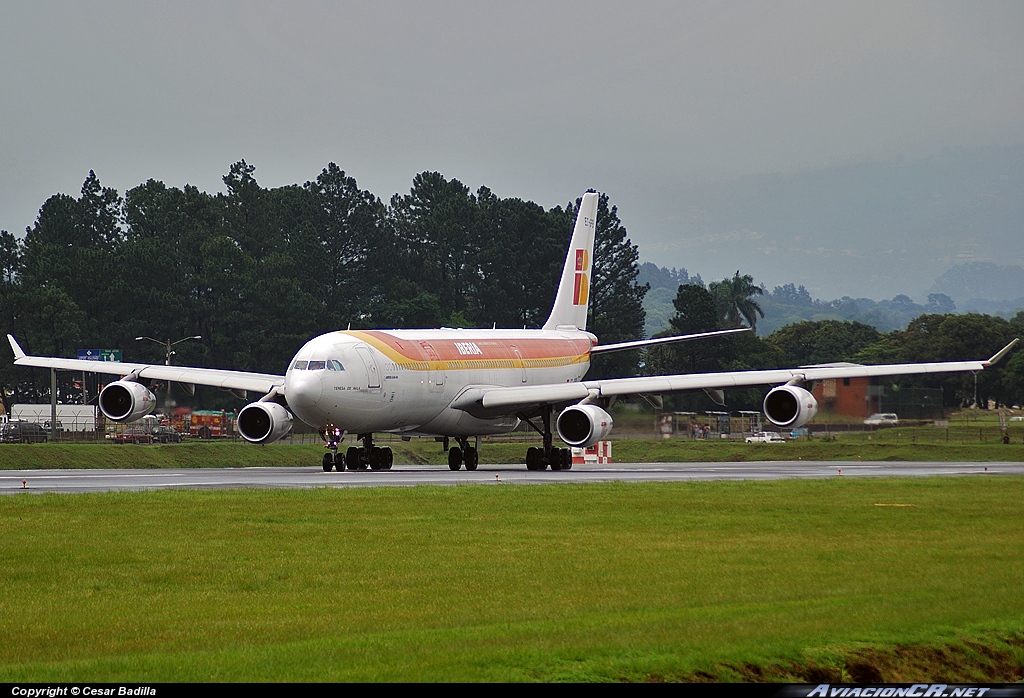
pixel 356 458
pixel 463 453
pixel 540 458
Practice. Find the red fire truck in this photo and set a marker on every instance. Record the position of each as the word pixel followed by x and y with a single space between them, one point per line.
pixel 204 424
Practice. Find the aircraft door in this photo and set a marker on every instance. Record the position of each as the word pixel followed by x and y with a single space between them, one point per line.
pixel 436 373
pixel 372 374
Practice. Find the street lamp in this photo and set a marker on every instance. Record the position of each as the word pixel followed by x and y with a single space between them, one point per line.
pixel 167 362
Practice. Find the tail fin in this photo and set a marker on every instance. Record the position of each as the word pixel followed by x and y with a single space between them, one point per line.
pixel 573 297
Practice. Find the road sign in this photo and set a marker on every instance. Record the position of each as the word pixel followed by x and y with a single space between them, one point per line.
pixel 100 354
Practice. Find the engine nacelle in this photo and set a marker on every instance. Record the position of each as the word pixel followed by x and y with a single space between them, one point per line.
pixel 789 406
pixel 126 401
pixel 264 422
pixel 583 425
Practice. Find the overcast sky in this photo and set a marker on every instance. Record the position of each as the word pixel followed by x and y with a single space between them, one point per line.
pixel 534 100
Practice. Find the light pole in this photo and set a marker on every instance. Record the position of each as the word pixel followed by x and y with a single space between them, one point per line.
pixel 167 362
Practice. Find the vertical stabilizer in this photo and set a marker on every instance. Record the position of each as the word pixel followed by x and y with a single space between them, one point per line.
pixel 573 297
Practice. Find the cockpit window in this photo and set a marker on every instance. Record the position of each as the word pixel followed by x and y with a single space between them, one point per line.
pixel 317 365
pixel 334 365
pixel 300 365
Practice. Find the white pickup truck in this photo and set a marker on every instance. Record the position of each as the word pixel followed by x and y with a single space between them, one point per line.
pixel 765 437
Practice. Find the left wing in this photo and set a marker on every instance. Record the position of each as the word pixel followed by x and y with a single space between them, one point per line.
pixel 498 398
pixel 216 377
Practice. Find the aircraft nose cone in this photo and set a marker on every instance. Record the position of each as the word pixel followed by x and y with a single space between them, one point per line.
pixel 304 389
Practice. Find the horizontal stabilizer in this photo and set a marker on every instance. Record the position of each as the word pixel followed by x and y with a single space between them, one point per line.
pixel 641 343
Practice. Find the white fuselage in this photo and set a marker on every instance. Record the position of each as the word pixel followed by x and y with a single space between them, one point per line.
pixel 406 380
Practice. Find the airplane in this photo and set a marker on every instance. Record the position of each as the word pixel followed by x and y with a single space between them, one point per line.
pixel 462 384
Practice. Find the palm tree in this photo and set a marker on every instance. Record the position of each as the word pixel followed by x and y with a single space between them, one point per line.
pixel 735 300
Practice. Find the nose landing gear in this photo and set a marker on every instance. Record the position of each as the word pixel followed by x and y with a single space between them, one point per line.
pixel 332 436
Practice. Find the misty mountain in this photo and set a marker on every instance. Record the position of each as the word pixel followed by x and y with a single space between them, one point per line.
pixel 873 230
pixel 787 304
pixel 981 281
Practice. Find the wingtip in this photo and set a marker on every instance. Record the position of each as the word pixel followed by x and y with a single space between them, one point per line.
pixel 19 353
pixel 997 357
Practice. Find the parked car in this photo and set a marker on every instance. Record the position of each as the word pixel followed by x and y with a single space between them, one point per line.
pixel 765 437
pixel 882 419
pixel 165 435
pixel 134 435
pixel 22 433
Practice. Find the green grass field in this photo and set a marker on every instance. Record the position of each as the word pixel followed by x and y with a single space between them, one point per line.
pixel 780 580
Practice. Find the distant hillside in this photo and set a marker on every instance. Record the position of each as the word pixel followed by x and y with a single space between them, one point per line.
pixel 789 303
pixel 664 284
pixel 981 280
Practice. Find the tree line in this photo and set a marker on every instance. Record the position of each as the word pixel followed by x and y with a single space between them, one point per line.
pixel 929 337
pixel 257 271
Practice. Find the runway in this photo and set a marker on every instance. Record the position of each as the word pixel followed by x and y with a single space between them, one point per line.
pixel 70 481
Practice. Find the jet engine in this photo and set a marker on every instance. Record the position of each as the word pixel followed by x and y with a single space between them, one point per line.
pixel 583 425
pixel 264 422
pixel 126 401
pixel 789 406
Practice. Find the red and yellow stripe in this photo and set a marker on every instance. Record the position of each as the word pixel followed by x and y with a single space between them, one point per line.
pixel 495 352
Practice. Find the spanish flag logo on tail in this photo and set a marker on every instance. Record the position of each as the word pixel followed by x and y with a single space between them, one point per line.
pixel 581 286
pixel 572 298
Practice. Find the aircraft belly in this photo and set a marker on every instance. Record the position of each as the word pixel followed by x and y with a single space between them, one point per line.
pixel 458 423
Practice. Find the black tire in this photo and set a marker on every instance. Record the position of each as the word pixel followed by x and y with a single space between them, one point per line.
pixel 472 458
pixel 534 459
pixel 353 458
pixel 377 458
pixel 455 458
pixel 389 458
pixel 328 462
pixel 554 457
pixel 566 459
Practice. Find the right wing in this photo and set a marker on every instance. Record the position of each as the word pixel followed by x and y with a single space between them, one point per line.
pixel 496 399
pixel 216 377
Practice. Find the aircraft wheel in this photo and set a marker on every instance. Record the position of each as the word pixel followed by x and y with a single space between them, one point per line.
pixel 389 458
pixel 328 462
pixel 454 458
pixel 472 458
pixel 378 460
pixel 555 456
pixel 566 458
pixel 535 459
pixel 353 458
